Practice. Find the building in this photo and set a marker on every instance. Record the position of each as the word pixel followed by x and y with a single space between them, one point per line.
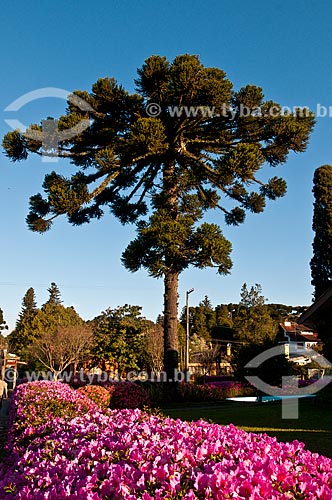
pixel 301 345
pixel 299 337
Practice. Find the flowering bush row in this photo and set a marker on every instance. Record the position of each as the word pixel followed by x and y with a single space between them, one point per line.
pixel 214 391
pixel 129 455
pixel 232 389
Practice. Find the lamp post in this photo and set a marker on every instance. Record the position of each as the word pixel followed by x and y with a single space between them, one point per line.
pixel 187 334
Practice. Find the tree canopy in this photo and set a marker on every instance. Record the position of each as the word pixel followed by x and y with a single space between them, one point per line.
pixel 118 341
pixel 62 348
pixel 34 322
pixel 321 262
pixel 184 143
pixel 252 322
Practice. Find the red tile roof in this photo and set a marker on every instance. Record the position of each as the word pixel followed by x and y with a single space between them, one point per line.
pixel 299 333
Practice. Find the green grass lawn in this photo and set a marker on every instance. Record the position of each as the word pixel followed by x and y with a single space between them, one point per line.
pixel 313 427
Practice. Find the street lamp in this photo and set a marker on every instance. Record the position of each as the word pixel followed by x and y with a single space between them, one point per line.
pixel 187 335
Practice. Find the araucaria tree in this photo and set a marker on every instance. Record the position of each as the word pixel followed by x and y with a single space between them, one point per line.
pixel 321 262
pixel 161 158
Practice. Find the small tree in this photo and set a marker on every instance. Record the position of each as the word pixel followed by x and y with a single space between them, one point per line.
pixel 154 348
pixel 67 346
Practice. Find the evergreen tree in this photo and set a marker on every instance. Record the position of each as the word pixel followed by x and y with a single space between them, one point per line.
pixel 252 322
pixel 180 163
pixel 321 262
pixel 23 334
pixel 224 316
pixel 280 312
pixel 209 313
pixel 252 297
pixel 202 319
pixel 49 322
pixel 29 304
pixel 52 316
pixel 55 295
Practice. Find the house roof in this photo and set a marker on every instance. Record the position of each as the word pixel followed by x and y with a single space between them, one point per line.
pixel 295 327
pixel 297 332
pixel 322 304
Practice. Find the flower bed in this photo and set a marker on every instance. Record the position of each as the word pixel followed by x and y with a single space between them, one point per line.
pixel 129 455
pixel 38 404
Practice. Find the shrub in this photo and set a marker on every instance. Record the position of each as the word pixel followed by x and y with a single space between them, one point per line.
pixel 233 389
pixel 100 395
pixel 123 394
pixel 127 395
pixel 196 393
pixel 214 392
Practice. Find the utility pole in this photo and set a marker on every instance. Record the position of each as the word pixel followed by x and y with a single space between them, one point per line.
pixel 187 335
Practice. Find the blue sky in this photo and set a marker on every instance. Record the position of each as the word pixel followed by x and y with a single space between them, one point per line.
pixel 283 47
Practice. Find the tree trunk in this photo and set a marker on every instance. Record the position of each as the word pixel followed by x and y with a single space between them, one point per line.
pixel 171 324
